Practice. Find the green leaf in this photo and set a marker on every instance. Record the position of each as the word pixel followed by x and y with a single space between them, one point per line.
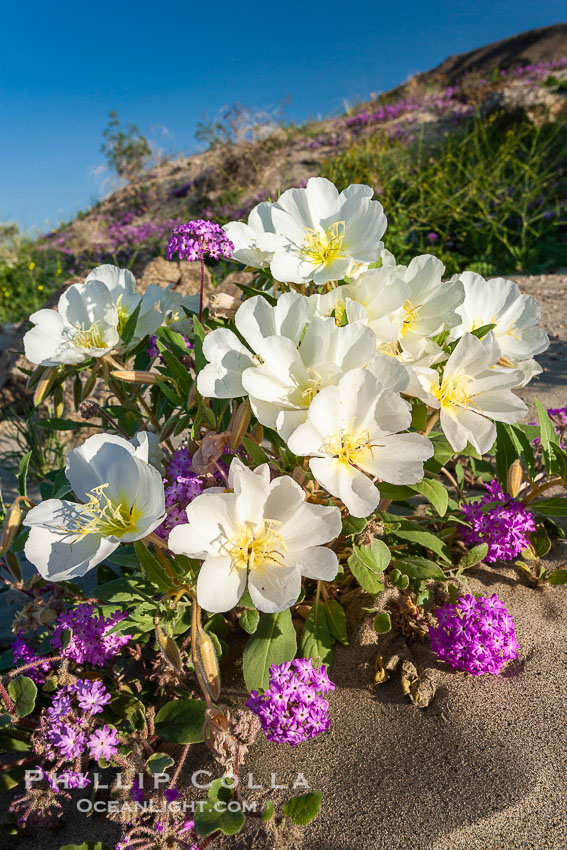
pixel 559 463
pixel 130 326
pixel 435 492
pixel 367 564
pixel 274 642
pixel 159 762
pixel 336 620
pixel 256 452
pixel 412 532
pixel 474 556
pixel 352 526
pixel 199 331
pixel 557 506
pixel 249 619
pixel 152 567
pixel 23 692
pixel 419 568
pixel 249 290
pixel 418 415
pixel 524 448
pixel 540 541
pixel 315 641
pixel 442 452
pixel 398 579
pixel 481 332
pixel 23 474
pixel 505 451
pixel 396 492
pixel 181 721
pixel 268 812
pixel 60 424
pixel 382 622
pixel 558 577
pixel 302 810
pixel 10 778
pixel 547 434
pixel 212 814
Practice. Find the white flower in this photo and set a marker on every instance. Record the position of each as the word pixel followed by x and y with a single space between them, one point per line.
pixel 516 316
pixel 121 499
pixel 264 532
pixel 284 384
pixel 471 392
pixel 255 242
pixel 327 235
pixel 431 303
pixel 86 325
pixel 374 300
pixel 255 320
pixel 121 284
pixel 351 433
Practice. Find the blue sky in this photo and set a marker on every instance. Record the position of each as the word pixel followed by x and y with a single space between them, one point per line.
pixel 65 65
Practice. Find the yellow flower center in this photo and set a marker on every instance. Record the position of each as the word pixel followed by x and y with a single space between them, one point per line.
pixel 312 388
pixel 453 392
pixel 255 549
pixel 410 317
pixel 101 515
pixel 89 337
pixel 324 247
pixel 347 446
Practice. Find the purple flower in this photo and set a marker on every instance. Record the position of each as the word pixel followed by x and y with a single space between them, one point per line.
pixel 291 710
pixel 432 237
pixel 91 696
pixel 181 486
pixel 25 654
pixel 90 641
pixel 103 743
pixel 500 521
pixel 195 239
pixel 475 635
pixel 70 741
pixel 171 795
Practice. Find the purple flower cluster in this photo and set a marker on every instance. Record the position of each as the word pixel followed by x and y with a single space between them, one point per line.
pixel 67 725
pixel 444 103
pixel 194 239
pixel 91 641
pixel 181 485
pixel 292 709
pixel 69 779
pixel 500 521
pixel 125 234
pixel 475 635
pixel 25 654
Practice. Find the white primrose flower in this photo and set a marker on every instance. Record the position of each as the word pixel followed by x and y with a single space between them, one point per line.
pixel 255 242
pixel 85 325
pixel 121 284
pixel 264 533
pixel 374 300
pixel 255 320
pixel 351 433
pixel 516 316
pixel 289 377
pixel 328 235
pixel 470 393
pixel 431 304
pixel 121 499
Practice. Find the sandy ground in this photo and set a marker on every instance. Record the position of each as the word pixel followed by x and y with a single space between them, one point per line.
pixel 483 767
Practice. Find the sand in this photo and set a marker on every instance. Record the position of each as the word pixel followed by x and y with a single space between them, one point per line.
pixel 483 766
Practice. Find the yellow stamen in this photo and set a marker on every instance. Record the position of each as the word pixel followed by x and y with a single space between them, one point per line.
pixel 89 337
pixel 324 247
pixel 348 445
pixel 410 317
pixel 123 315
pixel 100 515
pixel 453 392
pixel 256 549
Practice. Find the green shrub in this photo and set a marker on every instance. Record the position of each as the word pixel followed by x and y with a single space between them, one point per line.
pixel 490 195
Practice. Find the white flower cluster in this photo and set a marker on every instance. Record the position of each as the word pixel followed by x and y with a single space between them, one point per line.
pixel 91 317
pixel 333 369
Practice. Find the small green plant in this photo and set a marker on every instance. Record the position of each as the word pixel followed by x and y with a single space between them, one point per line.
pixel 28 273
pixel 126 150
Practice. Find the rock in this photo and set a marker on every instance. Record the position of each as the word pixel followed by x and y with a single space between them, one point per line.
pixel 185 276
pixel 535 102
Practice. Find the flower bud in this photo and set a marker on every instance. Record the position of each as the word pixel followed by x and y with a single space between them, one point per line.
pixel 36 376
pixel 257 433
pixel 13 565
pixel 11 525
pixel 206 663
pixel 515 478
pixel 169 649
pixel 134 377
pixel 44 385
pixel 239 424
pixel 89 386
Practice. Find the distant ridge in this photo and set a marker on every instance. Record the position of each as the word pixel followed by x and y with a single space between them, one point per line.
pixel 526 48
